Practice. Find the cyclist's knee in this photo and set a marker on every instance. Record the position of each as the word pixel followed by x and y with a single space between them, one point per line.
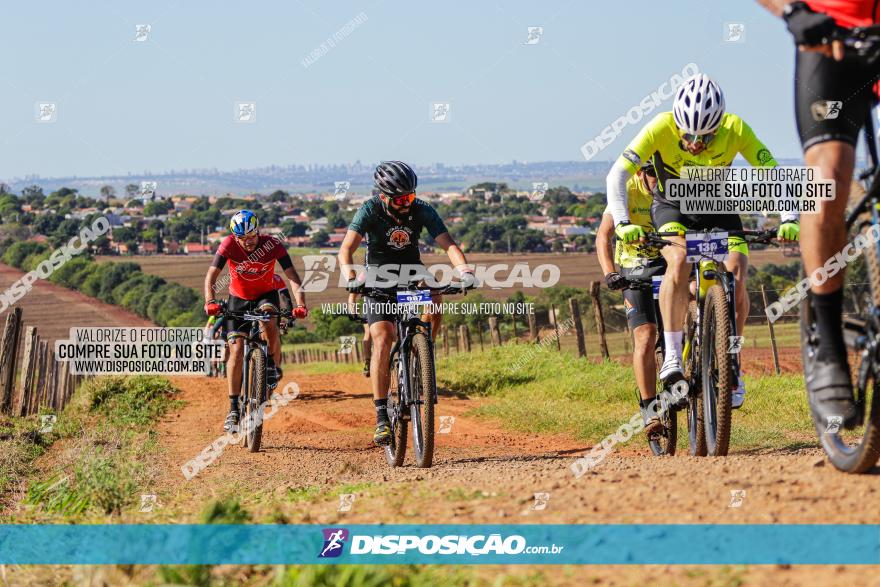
pixel 644 336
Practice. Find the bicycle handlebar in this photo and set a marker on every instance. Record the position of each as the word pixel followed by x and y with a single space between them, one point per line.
pixel 861 43
pixel 384 293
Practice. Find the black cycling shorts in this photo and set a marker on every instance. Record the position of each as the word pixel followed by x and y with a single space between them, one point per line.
pixel 240 327
pixel 663 212
pixel 833 99
pixel 639 303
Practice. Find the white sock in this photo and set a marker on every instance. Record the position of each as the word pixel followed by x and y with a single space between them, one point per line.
pixel 673 342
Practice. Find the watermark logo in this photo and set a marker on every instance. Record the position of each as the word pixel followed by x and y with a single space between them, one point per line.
pixel 46 112
pixel 334 540
pixel 142 32
pixel 346 344
pixel 539 190
pixel 148 502
pixel 737 496
pixel 734 32
pixel 319 268
pixel 341 190
pixel 735 344
pixel 833 425
pixel 446 423
pixel 635 114
pixel 825 109
pixel 441 112
pixel 148 189
pixel 534 34
pixel 541 501
pixel 245 112
pixel 346 501
pixel 47 422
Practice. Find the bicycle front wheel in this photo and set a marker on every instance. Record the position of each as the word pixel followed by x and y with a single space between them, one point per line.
pixel 254 399
pixel 717 368
pixel 422 393
pixel 692 374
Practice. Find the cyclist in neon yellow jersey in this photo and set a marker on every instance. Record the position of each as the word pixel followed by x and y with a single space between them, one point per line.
pixel 644 262
pixel 698 132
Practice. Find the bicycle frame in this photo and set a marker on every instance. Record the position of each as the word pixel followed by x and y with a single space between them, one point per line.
pixel 707 275
pixel 406 327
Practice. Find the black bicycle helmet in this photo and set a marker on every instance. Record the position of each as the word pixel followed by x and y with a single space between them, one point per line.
pixel 395 178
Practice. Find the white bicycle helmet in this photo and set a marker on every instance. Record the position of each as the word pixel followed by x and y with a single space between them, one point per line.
pixel 699 105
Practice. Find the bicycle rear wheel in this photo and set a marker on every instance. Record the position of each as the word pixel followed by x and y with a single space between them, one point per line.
pixel 717 372
pixel 254 399
pixel 693 377
pixel 422 394
pixel 857 450
pixel 396 451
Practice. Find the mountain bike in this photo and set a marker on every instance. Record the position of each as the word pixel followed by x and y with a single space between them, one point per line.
pixel 858 450
pixel 711 343
pixel 412 392
pixel 254 382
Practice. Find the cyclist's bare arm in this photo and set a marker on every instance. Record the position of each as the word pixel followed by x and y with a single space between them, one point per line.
pixel 210 281
pixel 835 49
pixel 603 244
pixel 294 286
pixel 452 250
pixel 349 245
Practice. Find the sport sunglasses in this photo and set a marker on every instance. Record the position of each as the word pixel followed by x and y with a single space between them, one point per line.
pixel 693 138
pixel 404 200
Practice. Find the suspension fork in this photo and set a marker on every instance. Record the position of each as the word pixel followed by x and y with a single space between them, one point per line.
pixel 731 312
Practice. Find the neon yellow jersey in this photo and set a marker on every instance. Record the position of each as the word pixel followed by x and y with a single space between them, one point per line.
pixel 639 202
pixel 659 140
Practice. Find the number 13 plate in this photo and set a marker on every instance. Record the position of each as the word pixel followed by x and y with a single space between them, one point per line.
pixel 706 245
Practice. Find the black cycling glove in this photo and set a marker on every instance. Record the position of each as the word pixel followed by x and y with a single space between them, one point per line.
pixel 806 26
pixel 615 280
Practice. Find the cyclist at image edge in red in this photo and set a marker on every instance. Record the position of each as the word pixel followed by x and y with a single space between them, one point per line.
pixel 393 222
pixel 829 143
pixel 251 257
pixel 644 262
pixel 698 132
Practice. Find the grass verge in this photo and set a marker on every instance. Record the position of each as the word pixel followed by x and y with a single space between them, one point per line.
pixel 546 391
pixel 109 441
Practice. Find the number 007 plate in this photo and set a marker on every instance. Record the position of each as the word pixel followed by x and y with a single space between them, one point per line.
pixel 706 245
pixel 422 296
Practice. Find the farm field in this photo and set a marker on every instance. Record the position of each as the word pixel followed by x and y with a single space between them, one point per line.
pixel 577 269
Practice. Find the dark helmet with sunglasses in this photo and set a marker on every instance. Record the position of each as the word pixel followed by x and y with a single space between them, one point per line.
pixel 397 182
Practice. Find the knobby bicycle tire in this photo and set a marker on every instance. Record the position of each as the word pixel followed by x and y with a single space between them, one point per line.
pixel 716 344
pixel 396 451
pixel 422 388
pixel 693 376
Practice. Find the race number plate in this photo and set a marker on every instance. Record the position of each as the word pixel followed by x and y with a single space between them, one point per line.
pixel 655 285
pixel 706 245
pixel 422 296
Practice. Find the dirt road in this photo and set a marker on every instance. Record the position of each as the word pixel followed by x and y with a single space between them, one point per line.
pixel 319 446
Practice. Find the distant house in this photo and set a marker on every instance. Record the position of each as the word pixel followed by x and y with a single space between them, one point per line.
pixel 172 247
pixel 336 238
pixel 342 230
pixel 197 249
pixel 575 230
pixel 40 238
pixel 148 248
pixel 298 241
pixel 122 249
pixel 215 237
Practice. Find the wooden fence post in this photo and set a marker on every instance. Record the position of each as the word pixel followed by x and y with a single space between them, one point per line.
pixel 533 327
pixel 27 375
pixel 40 376
pixel 465 335
pixel 772 332
pixel 578 327
pixel 8 356
pixel 555 318
pixel 357 351
pixel 445 331
pixel 494 332
pixel 480 333
pixel 600 319
pixel 457 339
pixel 513 321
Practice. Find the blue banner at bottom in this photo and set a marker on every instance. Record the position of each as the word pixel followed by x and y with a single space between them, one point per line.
pixel 440 544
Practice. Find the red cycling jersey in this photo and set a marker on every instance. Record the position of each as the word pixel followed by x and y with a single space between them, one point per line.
pixel 848 13
pixel 278 283
pixel 252 274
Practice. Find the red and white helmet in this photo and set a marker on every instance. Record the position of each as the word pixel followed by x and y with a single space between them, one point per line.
pixel 698 105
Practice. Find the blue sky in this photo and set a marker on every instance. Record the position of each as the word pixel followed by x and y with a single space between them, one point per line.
pixel 169 102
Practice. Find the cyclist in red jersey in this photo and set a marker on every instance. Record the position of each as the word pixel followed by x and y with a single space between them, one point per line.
pixel 251 257
pixel 833 99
